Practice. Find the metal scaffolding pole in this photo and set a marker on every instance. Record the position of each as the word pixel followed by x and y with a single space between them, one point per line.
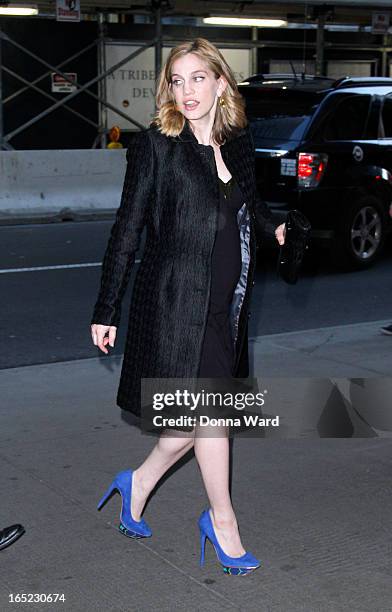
pixel 384 57
pixel 320 44
pixel 254 62
pixel 102 112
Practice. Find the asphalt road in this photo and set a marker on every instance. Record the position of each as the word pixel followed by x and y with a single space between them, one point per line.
pixel 45 313
pixel 316 512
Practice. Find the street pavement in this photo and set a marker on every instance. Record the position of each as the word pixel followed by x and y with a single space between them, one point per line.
pixel 316 511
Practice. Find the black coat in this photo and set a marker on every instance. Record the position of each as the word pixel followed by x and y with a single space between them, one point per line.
pixel 171 187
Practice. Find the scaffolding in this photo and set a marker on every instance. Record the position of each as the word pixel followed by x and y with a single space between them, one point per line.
pixel 103 72
pixel 100 79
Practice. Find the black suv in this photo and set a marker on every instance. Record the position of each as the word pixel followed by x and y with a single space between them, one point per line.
pixel 324 146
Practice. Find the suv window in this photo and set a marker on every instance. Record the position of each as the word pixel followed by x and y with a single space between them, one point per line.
pixel 276 114
pixel 386 118
pixel 347 121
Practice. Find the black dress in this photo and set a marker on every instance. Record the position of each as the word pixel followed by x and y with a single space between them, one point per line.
pixel 217 360
pixel 218 355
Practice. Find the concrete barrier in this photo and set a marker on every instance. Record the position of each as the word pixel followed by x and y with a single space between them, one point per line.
pixel 59 182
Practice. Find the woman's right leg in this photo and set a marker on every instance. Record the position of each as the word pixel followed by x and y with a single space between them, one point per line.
pixel 168 450
pixel 212 455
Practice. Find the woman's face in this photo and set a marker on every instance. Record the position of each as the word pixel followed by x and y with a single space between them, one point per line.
pixel 195 87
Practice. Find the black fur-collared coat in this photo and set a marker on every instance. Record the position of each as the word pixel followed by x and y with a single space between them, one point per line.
pixel 171 188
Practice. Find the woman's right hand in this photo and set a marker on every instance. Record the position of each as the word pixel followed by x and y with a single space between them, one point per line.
pixel 100 339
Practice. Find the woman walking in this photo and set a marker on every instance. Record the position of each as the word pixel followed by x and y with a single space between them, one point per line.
pixel 190 181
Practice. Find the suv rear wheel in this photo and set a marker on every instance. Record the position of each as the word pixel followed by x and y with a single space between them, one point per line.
pixel 361 235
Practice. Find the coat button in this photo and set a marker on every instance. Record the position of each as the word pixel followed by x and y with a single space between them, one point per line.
pixel 249 313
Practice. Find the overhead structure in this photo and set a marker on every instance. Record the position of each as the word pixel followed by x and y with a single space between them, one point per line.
pixel 318 14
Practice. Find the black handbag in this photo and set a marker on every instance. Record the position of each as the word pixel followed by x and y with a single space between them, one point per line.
pixel 292 252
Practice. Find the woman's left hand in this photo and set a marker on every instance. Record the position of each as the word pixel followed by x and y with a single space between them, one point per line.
pixel 280 233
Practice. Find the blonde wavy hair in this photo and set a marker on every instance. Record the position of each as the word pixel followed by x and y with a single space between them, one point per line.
pixel 170 121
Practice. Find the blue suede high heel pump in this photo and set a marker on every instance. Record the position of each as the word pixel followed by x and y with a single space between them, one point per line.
pixel 238 566
pixel 128 526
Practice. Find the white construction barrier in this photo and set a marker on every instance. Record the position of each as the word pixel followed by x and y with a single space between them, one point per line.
pixel 49 182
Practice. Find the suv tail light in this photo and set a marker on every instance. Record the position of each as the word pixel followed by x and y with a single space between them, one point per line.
pixel 311 168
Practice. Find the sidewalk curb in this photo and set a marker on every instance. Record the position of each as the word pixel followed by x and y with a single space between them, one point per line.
pixel 64 215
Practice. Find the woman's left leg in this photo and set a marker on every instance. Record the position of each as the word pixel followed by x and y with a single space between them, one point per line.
pixel 212 454
pixel 168 450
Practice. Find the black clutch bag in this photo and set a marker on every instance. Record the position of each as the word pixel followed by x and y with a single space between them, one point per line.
pixel 292 252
